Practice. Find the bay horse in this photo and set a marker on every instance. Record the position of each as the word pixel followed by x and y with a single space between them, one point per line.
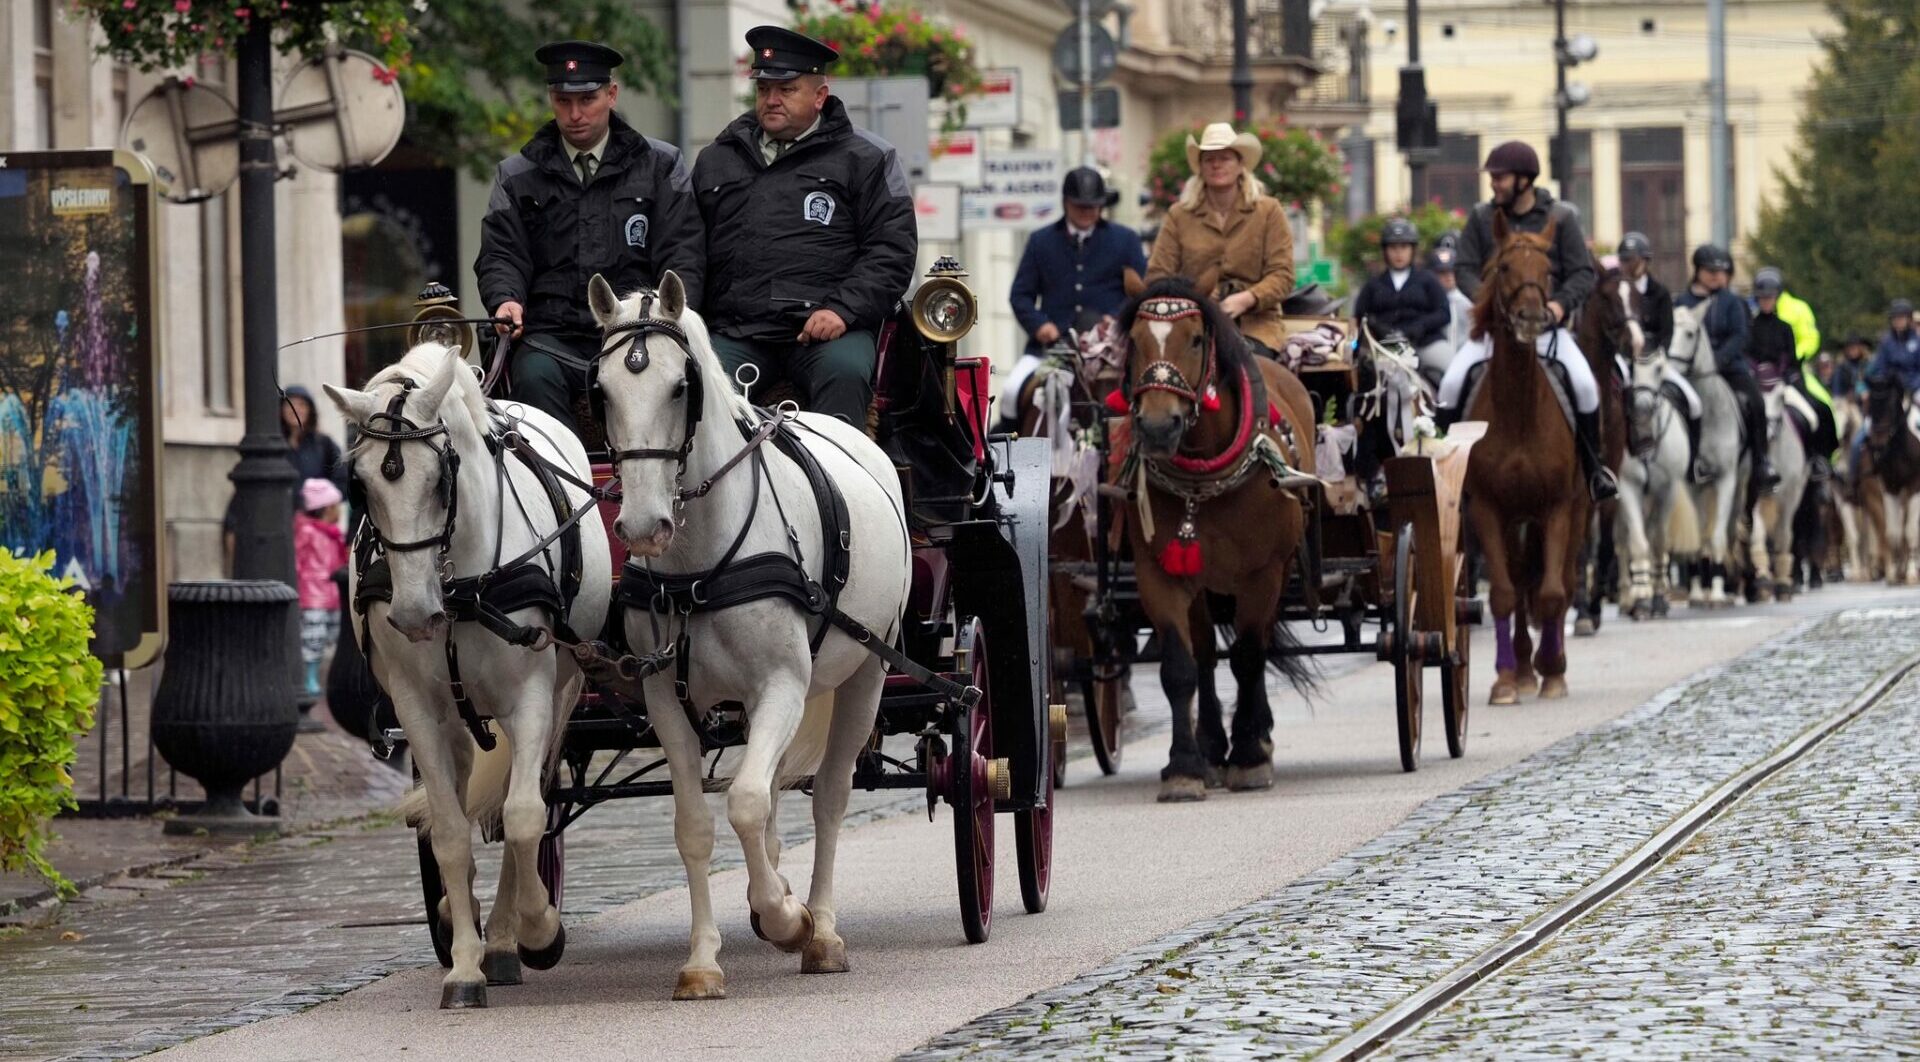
pixel 1892 459
pixel 448 494
pixel 746 584
pixel 1610 334
pixel 1526 499
pixel 1221 447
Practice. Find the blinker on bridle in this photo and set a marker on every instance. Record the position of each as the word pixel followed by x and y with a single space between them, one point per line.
pixel 399 429
pixel 638 360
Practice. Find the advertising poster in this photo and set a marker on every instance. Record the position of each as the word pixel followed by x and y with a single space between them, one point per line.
pixel 1021 190
pixel 79 411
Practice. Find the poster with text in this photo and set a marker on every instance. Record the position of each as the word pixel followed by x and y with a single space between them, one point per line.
pixel 1020 190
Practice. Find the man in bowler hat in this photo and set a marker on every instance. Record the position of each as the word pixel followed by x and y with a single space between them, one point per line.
pixel 588 194
pixel 810 232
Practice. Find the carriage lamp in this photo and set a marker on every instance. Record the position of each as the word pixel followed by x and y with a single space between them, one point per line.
pixel 944 308
pixel 437 319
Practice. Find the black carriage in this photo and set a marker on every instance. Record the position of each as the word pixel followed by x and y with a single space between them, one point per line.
pixel 977 617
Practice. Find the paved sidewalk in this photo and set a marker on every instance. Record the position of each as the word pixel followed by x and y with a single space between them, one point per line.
pixel 1290 974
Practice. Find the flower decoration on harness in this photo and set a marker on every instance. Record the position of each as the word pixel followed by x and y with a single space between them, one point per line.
pixel 1163 375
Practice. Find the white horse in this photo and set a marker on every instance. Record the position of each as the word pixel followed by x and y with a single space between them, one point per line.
pixel 1652 480
pixel 1718 500
pixel 1863 546
pixel 437 501
pixel 1772 543
pixel 674 418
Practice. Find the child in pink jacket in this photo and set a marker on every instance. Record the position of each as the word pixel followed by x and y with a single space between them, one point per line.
pixel 319 550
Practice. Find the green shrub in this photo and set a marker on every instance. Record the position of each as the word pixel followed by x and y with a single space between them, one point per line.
pixel 48 685
pixel 1356 244
pixel 1297 166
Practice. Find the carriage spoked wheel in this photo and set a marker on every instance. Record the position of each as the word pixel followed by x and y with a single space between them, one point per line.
pixel 969 775
pixel 1407 666
pixel 1033 843
pixel 1103 700
pixel 1454 670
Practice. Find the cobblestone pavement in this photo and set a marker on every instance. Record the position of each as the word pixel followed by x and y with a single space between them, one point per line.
pixel 1291 973
pixel 1790 928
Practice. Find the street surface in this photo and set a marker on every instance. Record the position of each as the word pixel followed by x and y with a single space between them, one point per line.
pixel 1258 924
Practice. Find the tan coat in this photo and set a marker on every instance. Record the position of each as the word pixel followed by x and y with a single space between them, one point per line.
pixel 1253 252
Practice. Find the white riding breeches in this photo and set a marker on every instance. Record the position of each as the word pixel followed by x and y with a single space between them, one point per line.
pixel 1435 357
pixel 1016 379
pixel 1558 345
pixel 1672 376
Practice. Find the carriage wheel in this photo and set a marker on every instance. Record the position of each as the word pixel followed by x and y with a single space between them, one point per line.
pixel 1104 710
pixel 1033 842
pixel 553 855
pixel 431 890
pixel 1057 777
pixel 1407 669
pixel 1454 672
pixel 971 794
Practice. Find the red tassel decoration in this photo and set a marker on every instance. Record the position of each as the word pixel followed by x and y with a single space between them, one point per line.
pixel 1181 556
pixel 1211 400
pixel 1273 413
pixel 1117 404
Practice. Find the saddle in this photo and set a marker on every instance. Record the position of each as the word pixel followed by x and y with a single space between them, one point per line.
pixel 1556 379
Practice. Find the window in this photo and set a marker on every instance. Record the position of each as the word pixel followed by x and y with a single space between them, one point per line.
pixel 1653 181
pixel 1578 189
pixel 215 322
pixel 1453 180
pixel 43 72
pixel 1359 192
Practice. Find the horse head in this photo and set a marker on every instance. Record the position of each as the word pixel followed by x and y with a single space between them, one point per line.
pixel 407 460
pixel 1518 282
pixel 1649 368
pixel 1617 303
pixel 1887 403
pixel 1178 342
pixel 658 380
pixel 1691 351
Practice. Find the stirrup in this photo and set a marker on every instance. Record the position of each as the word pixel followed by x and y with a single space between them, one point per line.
pixel 1603 485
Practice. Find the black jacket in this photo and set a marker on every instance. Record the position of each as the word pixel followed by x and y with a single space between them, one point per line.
pixel 544 236
pixel 830 224
pixel 1573 274
pixel 1727 328
pixel 1772 343
pixel 1656 314
pixel 1418 310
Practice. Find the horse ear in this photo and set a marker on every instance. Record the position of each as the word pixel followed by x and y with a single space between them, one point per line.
pixel 1133 283
pixel 1499 227
pixel 602 301
pixel 673 296
pixel 355 406
pixel 435 392
pixel 1553 225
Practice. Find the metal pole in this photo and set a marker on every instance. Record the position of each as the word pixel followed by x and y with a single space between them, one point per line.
pixel 1086 83
pixel 1559 151
pixel 263 481
pixel 1242 69
pixel 1717 146
pixel 1416 160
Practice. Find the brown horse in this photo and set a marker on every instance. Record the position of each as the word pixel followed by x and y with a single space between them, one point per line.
pixel 1221 446
pixel 1608 327
pixel 1528 505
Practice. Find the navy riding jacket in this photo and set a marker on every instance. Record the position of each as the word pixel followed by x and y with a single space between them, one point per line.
pixel 1058 281
pixel 1418 309
pixel 1899 357
pixel 1727 328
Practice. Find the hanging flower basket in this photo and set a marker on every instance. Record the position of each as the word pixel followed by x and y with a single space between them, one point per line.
pixel 1297 166
pixel 882 40
pixel 162 34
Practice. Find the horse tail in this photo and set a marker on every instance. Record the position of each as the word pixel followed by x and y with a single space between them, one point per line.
pixel 1683 525
pixel 486 791
pixel 1283 656
pixel 809 744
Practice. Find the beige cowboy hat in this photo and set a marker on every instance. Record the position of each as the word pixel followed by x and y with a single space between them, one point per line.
pixel 1219 137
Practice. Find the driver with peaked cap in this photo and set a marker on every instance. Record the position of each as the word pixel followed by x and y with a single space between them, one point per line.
pixel 811 234
pixel 588 194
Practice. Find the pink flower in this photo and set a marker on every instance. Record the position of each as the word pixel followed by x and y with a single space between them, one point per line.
pixel 384 75
pixel 183 6
pixel 129 4
pixel 189 81
pixel 243 12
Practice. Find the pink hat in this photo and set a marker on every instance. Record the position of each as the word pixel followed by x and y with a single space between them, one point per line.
pixel 317 494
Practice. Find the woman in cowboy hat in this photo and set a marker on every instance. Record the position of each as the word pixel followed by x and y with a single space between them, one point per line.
pixel 1228 236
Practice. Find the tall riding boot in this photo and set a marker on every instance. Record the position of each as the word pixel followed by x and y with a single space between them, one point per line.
pixel 1443 418
pixel 1600 480
pixel 1696 465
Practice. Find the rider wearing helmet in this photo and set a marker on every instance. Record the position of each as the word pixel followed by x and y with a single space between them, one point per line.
pixel 1513 167
pixel 1440 264
pixel 1406 299
pixel 1778 343
pixel 1899 352
pixel 1656 319
pixel 1725 321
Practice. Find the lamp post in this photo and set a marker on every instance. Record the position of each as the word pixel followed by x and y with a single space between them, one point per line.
pixel 1566 95
pixel 1242 69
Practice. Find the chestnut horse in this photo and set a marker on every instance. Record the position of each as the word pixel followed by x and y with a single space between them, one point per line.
pixel 1221 445
pixel 1527 502
pixel 1608 328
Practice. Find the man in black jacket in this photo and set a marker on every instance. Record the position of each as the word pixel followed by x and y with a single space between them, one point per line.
pixel 1729 330
pixel 811 234
pixel 587 195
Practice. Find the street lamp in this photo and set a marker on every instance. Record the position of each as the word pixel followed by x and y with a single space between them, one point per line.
pixel 1567 53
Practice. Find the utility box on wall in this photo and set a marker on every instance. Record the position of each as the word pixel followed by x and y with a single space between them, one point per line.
pixel 894 109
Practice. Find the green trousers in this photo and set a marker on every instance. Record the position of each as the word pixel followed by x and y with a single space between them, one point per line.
pixel 835 377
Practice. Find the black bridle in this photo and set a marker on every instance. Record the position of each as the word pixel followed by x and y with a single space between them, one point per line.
pixel 1501 265
pixel 637 360
pixel 400 430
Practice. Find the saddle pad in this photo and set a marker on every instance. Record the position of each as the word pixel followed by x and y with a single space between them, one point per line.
pixel 1556 379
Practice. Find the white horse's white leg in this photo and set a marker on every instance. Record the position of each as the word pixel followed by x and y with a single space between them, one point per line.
pixel 537 932
pixel 775 718
pixel 855 704
pixel 1630 540
pixel 501 962
pixel 1719 544
pixel 700 975
pixel 451 837
pixel 1910 506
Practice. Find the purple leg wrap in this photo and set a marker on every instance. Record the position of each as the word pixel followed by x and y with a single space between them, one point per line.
pixel 1503 640
pixel 1550 637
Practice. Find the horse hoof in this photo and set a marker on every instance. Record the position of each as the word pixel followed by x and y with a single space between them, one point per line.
pixel 1245 779
pixel 824 955
pixel 1554 688
pixel 501 967
pixel 1585 628
pixel 797 941
pixel 700 984
pixel 460 995
pixel 1526 684
pixel 1661 606
pixel 1181 789
pixel 1504 692
pixel 1216 776
pixel 548 957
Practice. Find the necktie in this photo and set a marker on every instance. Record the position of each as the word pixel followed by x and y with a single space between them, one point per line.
pixel 585 162
pixel 780 147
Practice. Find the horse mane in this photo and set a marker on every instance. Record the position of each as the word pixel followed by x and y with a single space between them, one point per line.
pixel 1228 345
pixel 421 364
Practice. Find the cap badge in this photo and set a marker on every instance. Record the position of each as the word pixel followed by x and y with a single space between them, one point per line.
pixel 766 53
pixel 573 64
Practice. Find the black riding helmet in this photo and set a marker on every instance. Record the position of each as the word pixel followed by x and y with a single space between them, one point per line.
pixel 1712 256
pixel 1441 260
pixel 1401 231
pixel 1635 245
pixel 1900 307
pixel 1515 157
pixel 1768 281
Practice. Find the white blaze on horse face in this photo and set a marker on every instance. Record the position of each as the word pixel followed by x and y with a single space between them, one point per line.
pixel 1160 330
pixel 646 410
pixel 1638 333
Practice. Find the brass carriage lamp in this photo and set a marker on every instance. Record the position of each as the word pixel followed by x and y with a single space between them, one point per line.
pixel 437 319
pixel 944 310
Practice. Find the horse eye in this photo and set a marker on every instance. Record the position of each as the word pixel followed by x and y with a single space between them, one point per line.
pixel 680 388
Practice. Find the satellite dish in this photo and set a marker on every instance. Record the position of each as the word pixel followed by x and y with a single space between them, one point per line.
pixel 189 135
pixel 342 111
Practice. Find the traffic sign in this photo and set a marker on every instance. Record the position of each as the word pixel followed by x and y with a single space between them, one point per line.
pixel 1106 109
pixel 1066 53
